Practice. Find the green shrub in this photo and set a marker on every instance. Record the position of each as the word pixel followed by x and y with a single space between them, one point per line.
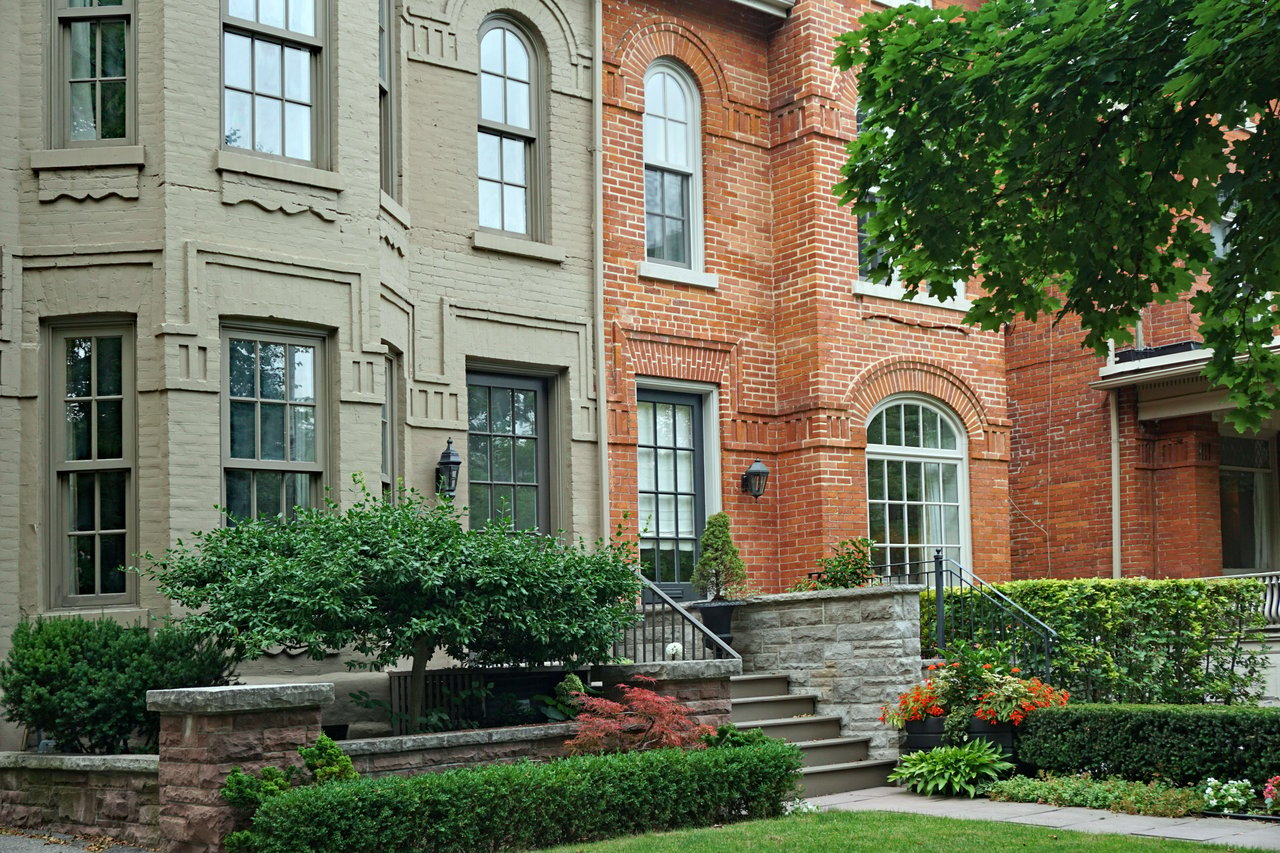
pixel 719 567
pixel 1083 791
pixel 84 682
pixel 1177 744
pixel 525 806
pixel 952 770
pixel 729 735
pixel 1135 640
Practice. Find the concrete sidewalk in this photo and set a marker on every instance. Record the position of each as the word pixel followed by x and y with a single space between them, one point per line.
pixel 1216 830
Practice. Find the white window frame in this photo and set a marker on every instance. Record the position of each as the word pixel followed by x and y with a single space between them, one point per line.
pixel 388 106
pixel 62 583
pixel 959 456
pixel 316 45
pixel 694 271
pixel 314 470
pixel 531 137
pixel 64 16
pixel 390 421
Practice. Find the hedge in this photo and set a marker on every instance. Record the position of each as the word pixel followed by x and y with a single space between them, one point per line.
pixel 527 806
pixel 1176 641
pixel 1178 744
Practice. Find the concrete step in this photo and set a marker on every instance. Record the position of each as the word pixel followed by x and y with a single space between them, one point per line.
pixel 752 686
pixel 836 750
pixel 838 778
pixel 770 708
pixel 795 729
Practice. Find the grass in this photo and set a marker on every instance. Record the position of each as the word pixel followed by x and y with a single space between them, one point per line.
pixel 885 832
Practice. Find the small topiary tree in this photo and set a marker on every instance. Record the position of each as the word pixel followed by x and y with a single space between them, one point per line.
pixel 719 567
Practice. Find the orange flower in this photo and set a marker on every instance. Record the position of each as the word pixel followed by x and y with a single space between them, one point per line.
pixel 986 666
pixel 1015 670
pixel 932 666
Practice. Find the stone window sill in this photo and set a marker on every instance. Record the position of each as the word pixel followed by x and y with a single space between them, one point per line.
pixel 895 292
pixel 394 211
pixel 677 275
pixel 88 158
pixel 490 242
pixel 278 170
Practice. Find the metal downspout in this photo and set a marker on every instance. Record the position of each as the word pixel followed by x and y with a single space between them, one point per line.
pixel 597 145
pixel 1113 399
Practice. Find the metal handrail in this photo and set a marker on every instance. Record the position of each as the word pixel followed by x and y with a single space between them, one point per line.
pixel 663 622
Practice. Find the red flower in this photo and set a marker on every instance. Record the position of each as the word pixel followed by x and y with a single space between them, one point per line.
pixel 1015 670
pixel 986 666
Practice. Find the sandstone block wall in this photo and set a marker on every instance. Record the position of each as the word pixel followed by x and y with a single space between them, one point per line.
pixel 115 795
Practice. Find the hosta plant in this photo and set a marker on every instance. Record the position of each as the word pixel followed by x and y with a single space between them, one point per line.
pixel 952 770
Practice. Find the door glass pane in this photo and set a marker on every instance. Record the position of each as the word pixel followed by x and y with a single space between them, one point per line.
pixel 667 562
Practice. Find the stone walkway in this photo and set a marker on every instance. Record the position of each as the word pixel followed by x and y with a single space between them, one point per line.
pixel 1216 830
pixel 18 841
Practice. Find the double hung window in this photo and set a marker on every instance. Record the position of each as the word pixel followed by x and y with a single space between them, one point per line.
pixel 94 66
pixel 390 429
pixel 273 436
pixel 387 63
pixel 669 469
pixel 507 137
pixel 672 176
pixel 1246 492
pixel 271 55
pixel 93 454
pixel 508 446
pixel 916 485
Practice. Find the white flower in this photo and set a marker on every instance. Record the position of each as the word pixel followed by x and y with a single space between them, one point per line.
pixel 675 651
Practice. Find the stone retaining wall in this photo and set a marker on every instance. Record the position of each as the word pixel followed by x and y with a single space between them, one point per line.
pixel 409 754
pixel 853 649
pixel 115 795
pixel 700 685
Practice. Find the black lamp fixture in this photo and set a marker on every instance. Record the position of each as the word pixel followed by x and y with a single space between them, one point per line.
pixel 753 481
pixel 447 471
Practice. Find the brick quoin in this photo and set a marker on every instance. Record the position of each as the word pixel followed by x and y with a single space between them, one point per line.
pixel 799 359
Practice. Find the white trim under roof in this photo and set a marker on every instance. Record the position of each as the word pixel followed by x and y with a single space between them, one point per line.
pixel 1121 374
pixel 778 8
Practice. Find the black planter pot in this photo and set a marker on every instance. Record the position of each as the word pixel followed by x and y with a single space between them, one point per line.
pixel 717 616
pixel 927 733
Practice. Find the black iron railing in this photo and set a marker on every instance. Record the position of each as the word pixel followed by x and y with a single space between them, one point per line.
pixel 963 608
pixel 666 631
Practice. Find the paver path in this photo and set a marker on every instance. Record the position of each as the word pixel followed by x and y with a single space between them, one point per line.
pixel 1245 833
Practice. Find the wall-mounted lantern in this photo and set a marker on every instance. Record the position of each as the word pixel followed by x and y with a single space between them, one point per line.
pixel 754 480
pixel 447 471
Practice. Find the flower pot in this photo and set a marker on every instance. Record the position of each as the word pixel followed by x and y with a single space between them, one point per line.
pixel 717 617
pixel 927 733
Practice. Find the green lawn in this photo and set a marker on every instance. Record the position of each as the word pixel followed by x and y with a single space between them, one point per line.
pixel 884 832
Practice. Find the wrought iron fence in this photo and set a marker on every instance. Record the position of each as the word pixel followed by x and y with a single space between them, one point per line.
pixel 666 631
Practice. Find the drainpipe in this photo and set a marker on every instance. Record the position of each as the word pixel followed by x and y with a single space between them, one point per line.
pixel 1113 399
pixel 597 173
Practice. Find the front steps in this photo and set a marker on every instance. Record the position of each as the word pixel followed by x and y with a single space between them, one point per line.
pixel 833 763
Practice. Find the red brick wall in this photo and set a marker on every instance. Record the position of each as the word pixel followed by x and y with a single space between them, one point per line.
pixel 798 359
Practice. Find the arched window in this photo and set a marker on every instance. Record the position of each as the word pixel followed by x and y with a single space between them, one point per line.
pixel 507 139
pixel 672 167
pixel 917 485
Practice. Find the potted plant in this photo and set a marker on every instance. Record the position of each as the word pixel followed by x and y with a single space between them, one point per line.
pixel 718 572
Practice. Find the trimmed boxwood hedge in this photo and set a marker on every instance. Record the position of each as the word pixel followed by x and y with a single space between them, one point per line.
pixel 526 806
pixel 1178 744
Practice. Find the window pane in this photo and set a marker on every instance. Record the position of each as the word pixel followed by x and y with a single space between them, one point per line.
pixel 930 425
pixel 950 483
pixel 271 437
pixel 113 110
pixel 932 482
pixel 655 137
pixel 647 521
pixel 655 94
pixel 80 498
pixel 491 52
pixel 241 9
pixel 297 492
pixel 83 557
pixel 478 516
pixel 877 529
pixel 112 560
pixel 667 562
pixel 478 408
pixel 645 469
pixel 237 130
pixel 675 106
pixel 268 491
pixel 110 429
pixel 267 125
pixel 517 57
pixel 297 75
pixel 239 484
pixel 526 453
pixel 676 247
pixel 83 41
pixel 478 457
pixel 113 49
pixel 526 507
pixel 79 431
pixel 500 459
pixel 491 98
pixel 302 16
pixel 237 67
pixel 266 68
pixel 513 159
pixel 915 484
pixel 687 559
pixel 518 104
pixel 513 210
pixel 84 111
pixel 271 371
pixel 673 194
pixel 875 431
pixel 948 436
pixel 684 426
pixel 303 379
pixel 666 423
pixel 302 434
pixel 110 368
pixel 112 500
pixel 894 478
pixel 684 515
pixel 488 164
pixel 654 245
pixel 666 470
pixel 271 13
pixel 911 426
pixel 501 410
pixel 500 504
pixel 893 426
pixel 875 479
pixel 490 204
pixel 242 369
pixel 243 441
pixel 677 153
pixel 644 419
pixel 666 514
pixel 79 367
pixel 297 131
pixel 684 464
pixel 951 524
pixel 525 413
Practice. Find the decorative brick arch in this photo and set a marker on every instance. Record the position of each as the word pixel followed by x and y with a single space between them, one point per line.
pixel 908 375
pixel 657 38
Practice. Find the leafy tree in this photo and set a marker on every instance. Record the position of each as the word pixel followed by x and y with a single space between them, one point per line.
pixel 394 580
pixel 1072 154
